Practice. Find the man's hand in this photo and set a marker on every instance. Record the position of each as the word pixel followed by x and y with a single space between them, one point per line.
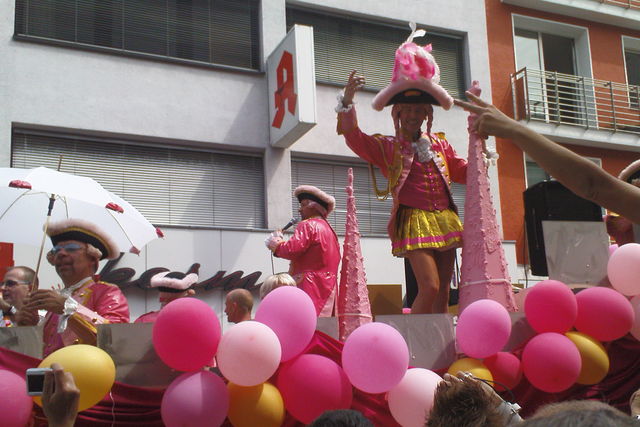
pixel 355 83
pixel 274 240
pixel 60 397
pixel 4 306
pixel 26 317
pixel 490 120
pixel 46 299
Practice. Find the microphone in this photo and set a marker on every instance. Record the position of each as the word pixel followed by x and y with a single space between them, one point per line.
pixel 290 224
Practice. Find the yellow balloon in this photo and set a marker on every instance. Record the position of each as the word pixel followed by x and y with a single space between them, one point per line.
pixel 259 405
pixel 93 371
pixel 473 366
pixel 595 361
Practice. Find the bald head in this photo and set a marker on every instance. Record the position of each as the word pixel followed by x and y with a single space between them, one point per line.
pixel 238 305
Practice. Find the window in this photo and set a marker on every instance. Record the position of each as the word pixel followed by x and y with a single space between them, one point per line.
pixel 373 214
pixel 535 174
pixel 168 186
pixel 223 32
pixel 632 64
pixel 345 44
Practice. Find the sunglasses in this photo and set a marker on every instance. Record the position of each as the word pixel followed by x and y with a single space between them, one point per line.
pixel 69 247
pixel 11 283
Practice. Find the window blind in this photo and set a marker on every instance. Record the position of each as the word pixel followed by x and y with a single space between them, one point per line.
pixel 373 214
pixel 344 44
pixel 222 32
pixel 168 186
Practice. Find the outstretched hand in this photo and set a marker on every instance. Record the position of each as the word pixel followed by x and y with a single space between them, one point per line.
pixel 490 120
pixel 60 397
pixel 355 83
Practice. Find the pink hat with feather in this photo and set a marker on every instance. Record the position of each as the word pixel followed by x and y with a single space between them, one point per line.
pixel 415 79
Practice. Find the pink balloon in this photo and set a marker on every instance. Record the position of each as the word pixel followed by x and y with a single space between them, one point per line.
pixel 635 329
pixel 412 399
pixel 603 313
pixel 375 347
pixel 623 269
pixel 290 313
pixel 186 334
pixel 612 249
pixel 550 306
pixel 483 328
pixel 249 353
pixel 505 368
pixel 311 384
pixel 195 399
pixel 15 404
pixel 551 362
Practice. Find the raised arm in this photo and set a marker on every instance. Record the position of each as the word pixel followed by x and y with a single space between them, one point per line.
pixel 578 174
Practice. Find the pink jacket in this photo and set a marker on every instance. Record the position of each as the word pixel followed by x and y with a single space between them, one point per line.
pixel 314 252
pixel 394 157
pixel 149 317
pixel 99 303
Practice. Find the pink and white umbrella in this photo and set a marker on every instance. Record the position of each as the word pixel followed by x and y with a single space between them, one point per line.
pixel 26 194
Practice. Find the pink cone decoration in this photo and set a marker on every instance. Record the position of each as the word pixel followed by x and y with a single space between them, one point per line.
pixel 354 308
pixel 484 267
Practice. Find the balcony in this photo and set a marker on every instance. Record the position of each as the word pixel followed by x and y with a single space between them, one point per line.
pixel 578 102
pixel 621 13
pixel 627 4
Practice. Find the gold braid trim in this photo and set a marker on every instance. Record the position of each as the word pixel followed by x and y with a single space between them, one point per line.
pixel 393 171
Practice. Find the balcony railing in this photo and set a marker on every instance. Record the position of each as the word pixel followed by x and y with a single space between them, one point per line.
pixel 574 100
pixel 628 4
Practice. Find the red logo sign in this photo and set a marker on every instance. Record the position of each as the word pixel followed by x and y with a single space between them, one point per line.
pixel 286 91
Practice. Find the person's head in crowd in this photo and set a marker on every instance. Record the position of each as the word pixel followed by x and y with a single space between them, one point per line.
pixel 464 402
pixel 173 285
pixel 78 247
pixel 238 305
pixel 579 413
pixel 16 285
pixel 341 418
pixel 313 202
pixel 631 173
pixel 275 281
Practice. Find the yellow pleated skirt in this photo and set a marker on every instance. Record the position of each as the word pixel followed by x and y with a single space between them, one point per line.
pixel 419 229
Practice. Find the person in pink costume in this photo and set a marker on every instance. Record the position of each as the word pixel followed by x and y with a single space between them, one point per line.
pixel 424 225
pixel 85 302
pixel 619 227
pixel 171 286
pixel 313 249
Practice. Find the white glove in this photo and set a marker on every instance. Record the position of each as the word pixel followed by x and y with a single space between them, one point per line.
pixel 274 240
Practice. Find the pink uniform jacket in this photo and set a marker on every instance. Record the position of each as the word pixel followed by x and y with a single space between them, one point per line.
pixel 394 157
pixel 149 317
pixel 99 303
pixel 314 252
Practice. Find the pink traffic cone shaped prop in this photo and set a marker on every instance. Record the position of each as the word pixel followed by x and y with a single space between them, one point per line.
pixel 353 297
pixel 484 267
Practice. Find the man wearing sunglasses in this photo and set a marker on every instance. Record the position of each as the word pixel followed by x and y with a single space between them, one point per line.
pixel 85 301
pixel 14 288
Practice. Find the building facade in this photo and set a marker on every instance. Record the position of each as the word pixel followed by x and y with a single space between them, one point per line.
pixel 570 70
pixel 166 104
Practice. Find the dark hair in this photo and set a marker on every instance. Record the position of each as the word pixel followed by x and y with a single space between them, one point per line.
pixel 463 403
pixel 341 418
pixel 602 417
